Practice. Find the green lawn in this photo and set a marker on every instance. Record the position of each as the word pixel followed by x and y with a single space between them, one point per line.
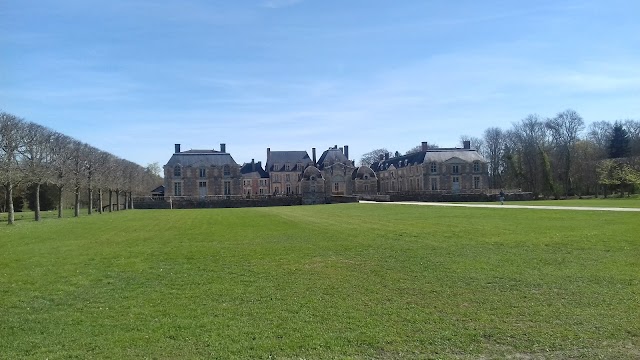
pixel 328 281
pixel 624 202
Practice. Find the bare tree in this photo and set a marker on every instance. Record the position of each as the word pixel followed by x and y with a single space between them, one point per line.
pixel 372 156
pixel 11 172
pixel 527 138
pixel 633 129
pixel 565 130
pixel 599 133
pixel 61 162
pixel 37 157
pixel 494 144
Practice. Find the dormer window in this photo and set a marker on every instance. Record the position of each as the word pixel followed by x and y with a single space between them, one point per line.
pixel 226 170
pixel 177 171
pixel 287 167
pixel 455 169
pixel 203 172
pixel 434 167
pixel 476 166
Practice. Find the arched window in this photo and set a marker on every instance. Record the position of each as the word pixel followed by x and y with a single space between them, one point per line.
pixel 177 171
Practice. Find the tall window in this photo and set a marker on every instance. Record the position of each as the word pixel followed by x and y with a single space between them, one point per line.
pixel 288 189
pixel 455 169
pixel 226 170
pixel 227 187
pixel 366 187
pixel 287 177
pixel 476 166
pixel 177 188
pixel 177 171
pixel 203 172
pixel 476 182
pixel 202 184
pixel 434 168
pixel 336 187
pixel 434 184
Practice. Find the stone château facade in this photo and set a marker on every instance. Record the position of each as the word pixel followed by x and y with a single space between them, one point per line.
pixel 212 173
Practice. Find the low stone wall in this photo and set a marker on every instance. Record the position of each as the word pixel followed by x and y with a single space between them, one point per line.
pixel 342 199
pixel 217 203
pixel 442 197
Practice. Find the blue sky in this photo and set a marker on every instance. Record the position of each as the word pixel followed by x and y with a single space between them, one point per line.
pixel 134 77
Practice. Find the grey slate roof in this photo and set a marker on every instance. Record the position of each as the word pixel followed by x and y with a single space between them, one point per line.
pixel 283 157
pixel 193 158
pixel 431 155
pixel 330 157
pixel 247 168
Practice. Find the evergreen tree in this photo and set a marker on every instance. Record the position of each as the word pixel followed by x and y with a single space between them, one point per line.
pixel 619 143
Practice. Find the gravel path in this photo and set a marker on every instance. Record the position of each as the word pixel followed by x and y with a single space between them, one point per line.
pixel 584 208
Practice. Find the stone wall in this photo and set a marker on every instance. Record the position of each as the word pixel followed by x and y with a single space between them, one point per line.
pixel 443 197
pixel 235 202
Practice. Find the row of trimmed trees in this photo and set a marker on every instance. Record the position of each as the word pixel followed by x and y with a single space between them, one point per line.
pixel 560 156
pixel 32 156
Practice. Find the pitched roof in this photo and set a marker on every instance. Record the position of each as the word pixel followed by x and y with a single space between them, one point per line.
pixel 191 158
pixel 248 168
pixel 283 157
pixel 431 155
pixel 332 156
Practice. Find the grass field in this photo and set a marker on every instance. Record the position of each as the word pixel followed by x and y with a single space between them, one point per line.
pixel 327 281
pixel 624 202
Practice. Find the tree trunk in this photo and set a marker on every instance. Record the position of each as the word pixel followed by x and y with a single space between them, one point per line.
pixel 60 202
pixel 76 210
pixel 110 200
pixel 126 201
pixel 117 200
pixel 100 200
pixel 37 210
pixel 10 214
pixel 90 207
pixel 131 198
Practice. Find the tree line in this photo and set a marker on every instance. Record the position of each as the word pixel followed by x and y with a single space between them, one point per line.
pixel 34 157
pixel 558 156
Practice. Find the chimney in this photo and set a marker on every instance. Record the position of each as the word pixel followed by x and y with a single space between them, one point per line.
pixel 466 144
pixel 335 147
pixel 268 155
pixel 253 165
pixel 386 156
pixel 177 148
pixel 223 148
pixel 397 154
pixel 425 146
pixel 313 155
pixel 346 151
